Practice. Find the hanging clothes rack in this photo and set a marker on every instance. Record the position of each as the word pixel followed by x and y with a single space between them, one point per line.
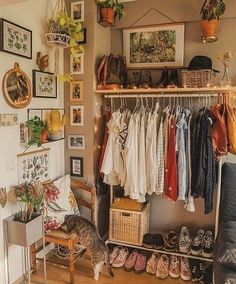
pixel 111 96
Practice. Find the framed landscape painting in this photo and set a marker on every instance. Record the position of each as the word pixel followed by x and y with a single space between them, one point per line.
pixel 154 46
pixel 15 39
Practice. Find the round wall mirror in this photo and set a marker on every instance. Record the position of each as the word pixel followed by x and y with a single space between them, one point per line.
pixel 17 87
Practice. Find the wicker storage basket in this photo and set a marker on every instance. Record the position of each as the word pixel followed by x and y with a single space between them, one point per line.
pixel 198 78
pixel 129 226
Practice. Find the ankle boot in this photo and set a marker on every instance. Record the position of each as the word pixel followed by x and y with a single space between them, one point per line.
pixel 162 83
pixel 137 80
pixel 147 80
pixel 173 79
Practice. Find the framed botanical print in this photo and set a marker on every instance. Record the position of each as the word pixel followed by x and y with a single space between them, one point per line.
pixel 76 142
pixel 44 84
pixel 76 166
pixel 15 39
pixel 77 11
pixel 77 64
pixel 76 91
pixel 77 115
pixel 33 166
pixel 154 46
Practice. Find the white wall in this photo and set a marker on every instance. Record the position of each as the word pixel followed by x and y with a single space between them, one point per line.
pixel 31 14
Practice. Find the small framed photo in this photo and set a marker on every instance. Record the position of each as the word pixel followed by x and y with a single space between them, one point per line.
pixel 76 142
pixel 44 84
pixel 84 41
pixel 76 91
pixel 15 39
pixel 76 166
pixel 77 115
pixel 77 64
pixel 77 11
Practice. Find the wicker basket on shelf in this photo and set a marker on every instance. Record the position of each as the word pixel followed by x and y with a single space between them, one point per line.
pixel 128 226
pixel 203 78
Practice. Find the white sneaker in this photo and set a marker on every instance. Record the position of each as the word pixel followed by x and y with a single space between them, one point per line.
pixel 184 240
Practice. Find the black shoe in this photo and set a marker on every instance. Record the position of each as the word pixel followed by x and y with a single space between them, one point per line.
pixel 162 83
pixel 197 271
pixel 158 241
pixel 171 241
pixel 208 242
pixel 208 275
pixel 148 240
pixel 173 79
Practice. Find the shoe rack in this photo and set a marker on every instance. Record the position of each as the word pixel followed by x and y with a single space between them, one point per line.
pixel 163 93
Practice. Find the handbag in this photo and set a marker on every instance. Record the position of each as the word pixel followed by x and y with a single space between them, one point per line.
pixel 111 72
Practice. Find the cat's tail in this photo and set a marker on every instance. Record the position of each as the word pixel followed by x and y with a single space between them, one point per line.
pixel 108 263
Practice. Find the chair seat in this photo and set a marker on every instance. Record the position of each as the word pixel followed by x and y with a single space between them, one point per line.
pixel 61 234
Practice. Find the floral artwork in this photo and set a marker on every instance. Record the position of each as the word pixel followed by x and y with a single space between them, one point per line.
pixel 155 46
pixel 16 39
pixel 33 166
pixel 44 84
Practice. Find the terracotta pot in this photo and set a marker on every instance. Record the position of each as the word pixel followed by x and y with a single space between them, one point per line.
pixel 209 28
pixel 107 15
pixel 44 135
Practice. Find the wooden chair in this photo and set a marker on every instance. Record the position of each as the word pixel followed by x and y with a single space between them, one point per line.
pixel 59 237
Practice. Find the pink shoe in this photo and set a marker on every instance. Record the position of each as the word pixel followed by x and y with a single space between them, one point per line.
pixel 120 260
pixel 162 267
pixel 174 269
pixel 141 263
pixel 131 260
pixel 185 269
pixel 114 253
pixel 152 264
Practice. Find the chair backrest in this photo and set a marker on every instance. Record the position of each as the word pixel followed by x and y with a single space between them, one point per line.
pixel 81 191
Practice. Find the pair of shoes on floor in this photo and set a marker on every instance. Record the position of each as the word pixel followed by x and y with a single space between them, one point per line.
pixel 184 240
pixel 174 267
pixel 169 79
pixel 203 244
pixel 136 261
pixel 170 241
pixel 153 241
pixel 118 256
pixel 197 271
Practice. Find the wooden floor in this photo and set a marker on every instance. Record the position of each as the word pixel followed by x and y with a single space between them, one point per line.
pixel 84 275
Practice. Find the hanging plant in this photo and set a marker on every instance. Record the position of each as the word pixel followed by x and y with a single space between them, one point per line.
pixel 36 125
pixel 64 32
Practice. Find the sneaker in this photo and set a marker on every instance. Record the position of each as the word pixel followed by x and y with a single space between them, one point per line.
pixel 148 240
pixel 131 260
pixel 196 247
pixel 174 269
pixel 162 267
pixel 184 240
pixel 171 241
pixel 208 275
pixel 158 241
pixel 114 253
pixel 152 264
pixel 208 242
pixel 197 271
pixel 185 272
pixel 141 263
pixel 120 260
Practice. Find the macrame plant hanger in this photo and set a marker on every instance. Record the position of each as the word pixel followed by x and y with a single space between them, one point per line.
pixel 152 9
pixel 54 37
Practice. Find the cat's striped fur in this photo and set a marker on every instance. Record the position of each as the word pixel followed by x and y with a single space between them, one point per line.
pixel 90 239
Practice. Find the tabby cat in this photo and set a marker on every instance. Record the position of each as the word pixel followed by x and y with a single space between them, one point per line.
pixel 90 239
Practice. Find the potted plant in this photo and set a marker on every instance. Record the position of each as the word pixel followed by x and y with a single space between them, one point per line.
pixel 63 31
pixel 36 126
pixel 109 10
pixel 55 123
pixel 211 12
pixel 26 227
